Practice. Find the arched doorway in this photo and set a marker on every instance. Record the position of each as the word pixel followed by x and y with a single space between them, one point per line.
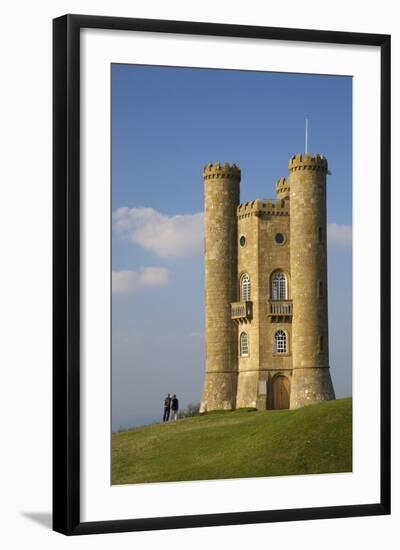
pixel 280 392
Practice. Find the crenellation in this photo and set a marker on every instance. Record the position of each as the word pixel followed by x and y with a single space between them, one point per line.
pixel 216 170
pixel 308 162
pixel 263 208
pixel 282 190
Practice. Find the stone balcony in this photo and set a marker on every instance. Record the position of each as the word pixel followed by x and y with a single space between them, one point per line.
pixel 241 312
pixel 280 310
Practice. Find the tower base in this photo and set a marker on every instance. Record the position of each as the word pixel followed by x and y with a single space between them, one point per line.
pixel 310 385
pixel 247 391
pixel 219 392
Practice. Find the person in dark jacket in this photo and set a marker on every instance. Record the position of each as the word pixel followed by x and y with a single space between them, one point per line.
pixel 167 408
pixel 174 407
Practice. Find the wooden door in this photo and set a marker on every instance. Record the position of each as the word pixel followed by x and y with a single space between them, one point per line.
pixel 280 392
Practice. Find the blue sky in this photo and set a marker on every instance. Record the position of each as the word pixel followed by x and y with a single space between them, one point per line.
pixel 167 123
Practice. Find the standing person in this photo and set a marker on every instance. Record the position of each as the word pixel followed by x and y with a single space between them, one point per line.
pixel 167 407
pixel 174 407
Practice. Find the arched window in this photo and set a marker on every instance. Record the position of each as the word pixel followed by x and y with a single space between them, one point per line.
pixel 280 344
pixel 244 344
pixel 245 288
pixel 279 286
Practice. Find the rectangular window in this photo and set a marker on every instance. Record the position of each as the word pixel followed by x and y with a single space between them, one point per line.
pixel 245 288
pixel 320 289
pixel 280 342
pixel 280 346
pixel 244 345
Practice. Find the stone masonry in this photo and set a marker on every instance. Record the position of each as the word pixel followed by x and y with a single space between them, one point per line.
pixel 266 300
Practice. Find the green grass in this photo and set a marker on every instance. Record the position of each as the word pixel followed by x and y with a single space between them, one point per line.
pixel 244 443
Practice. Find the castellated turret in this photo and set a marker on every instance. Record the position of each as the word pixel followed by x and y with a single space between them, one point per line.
pixel 311 380
pixel 282 189
pixel 266 293
pixel 221 199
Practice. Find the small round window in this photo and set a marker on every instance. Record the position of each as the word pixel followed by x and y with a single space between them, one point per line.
pixel 242 240
pixel 279 238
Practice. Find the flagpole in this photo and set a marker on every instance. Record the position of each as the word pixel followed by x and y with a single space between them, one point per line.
pixel 306 151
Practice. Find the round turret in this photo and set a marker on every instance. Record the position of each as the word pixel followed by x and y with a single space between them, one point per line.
pixel 311 379
pixel 221 199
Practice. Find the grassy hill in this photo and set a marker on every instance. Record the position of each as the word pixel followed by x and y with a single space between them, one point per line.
pixel 243 443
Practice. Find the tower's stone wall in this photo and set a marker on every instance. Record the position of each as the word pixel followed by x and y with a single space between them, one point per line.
pixel 274 257
pixel 311 379
pixel 259 221
pixel 248 376
pixel 221 192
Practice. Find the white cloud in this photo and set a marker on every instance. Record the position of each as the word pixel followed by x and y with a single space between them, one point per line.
pixel 182 234
pixel 129 281
pixel 166 236
pixel 339 234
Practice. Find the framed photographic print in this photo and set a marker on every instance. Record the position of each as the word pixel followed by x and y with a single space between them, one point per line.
pixel 221 274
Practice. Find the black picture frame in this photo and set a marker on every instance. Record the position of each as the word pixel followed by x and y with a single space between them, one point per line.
pixel 66 273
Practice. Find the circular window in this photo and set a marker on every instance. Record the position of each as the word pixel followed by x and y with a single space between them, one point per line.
pixel 279 238
pixel 242 240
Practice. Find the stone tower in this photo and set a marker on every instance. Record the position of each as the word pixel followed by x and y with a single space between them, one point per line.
pixel 266 300
pixel 311 380
pixel 221 194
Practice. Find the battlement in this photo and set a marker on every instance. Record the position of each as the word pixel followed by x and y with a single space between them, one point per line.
pixel 281 183
pixel 308 162
pixel 218 170
pixel 260 207
pixel 282 188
